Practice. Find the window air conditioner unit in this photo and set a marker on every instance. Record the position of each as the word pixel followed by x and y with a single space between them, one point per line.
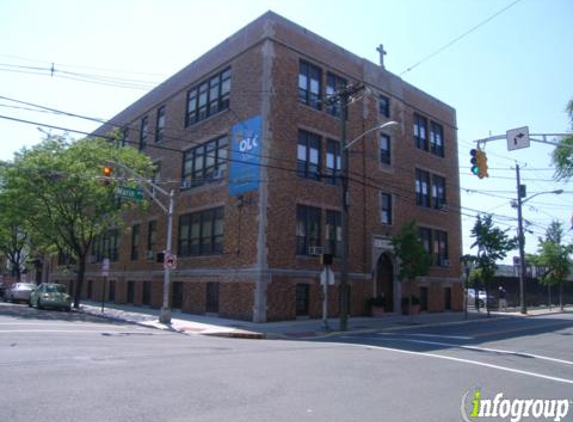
pixel 315 250
pixel 445 262
pixel 185 184
pixel 443 207
pixel 150 256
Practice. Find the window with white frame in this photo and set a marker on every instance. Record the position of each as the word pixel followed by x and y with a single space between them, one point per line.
pixel 385 149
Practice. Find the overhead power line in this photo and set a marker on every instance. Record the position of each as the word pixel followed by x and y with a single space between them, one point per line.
pixel 459 37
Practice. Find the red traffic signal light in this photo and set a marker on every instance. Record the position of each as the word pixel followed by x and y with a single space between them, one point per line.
pixel 106 171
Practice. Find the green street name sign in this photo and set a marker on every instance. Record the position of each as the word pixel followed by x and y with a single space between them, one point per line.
pixel 127 192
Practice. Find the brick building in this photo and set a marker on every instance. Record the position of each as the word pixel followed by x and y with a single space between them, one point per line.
pixel 245 137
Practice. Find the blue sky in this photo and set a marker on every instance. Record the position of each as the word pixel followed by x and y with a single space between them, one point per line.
pixel 513 71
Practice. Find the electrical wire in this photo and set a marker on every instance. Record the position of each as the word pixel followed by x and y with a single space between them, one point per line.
pixel 459 37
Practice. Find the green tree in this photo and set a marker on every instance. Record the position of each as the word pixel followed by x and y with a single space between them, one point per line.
pixel 14 236
pixel 14 240
pixel 414 259
pixel 492 245
pixel 563 155
pixel 554 256
pixel 62 198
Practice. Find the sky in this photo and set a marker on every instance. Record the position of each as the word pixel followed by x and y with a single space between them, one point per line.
pixel 502 64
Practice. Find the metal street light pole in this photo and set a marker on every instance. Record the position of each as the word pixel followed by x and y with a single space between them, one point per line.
pixel 521 237
pixel 521 240
pixel 342 98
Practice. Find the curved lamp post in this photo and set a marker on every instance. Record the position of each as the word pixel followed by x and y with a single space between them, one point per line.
pixel 521 240
pixel 344 220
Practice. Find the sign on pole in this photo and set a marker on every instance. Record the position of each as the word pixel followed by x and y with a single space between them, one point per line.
pixel 105 267
pixel 128 192
pixel 327 274
pixel 170 261
pixel 517 138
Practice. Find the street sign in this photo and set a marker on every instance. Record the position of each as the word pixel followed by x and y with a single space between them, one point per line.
pixel 170 261
pixel 517 138
pixel 327 274
pixel 105 267
pixel 127 192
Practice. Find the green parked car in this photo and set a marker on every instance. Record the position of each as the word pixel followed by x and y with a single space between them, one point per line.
pixel 49 295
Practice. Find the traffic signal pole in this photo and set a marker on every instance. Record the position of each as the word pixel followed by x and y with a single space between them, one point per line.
pixel 165 312
pixel 521 242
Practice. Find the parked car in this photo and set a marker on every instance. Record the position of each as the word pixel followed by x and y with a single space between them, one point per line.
pixel 482 298
pixel 19 292
pixel 50 295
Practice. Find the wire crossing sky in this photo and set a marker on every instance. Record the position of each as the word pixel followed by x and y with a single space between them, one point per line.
pixel 502 64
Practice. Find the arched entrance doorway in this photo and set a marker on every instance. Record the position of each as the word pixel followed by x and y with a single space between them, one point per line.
pixel 385 281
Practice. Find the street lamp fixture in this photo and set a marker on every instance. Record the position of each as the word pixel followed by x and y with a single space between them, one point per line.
pixel 521 240
pixel 344 220
pixel 387 125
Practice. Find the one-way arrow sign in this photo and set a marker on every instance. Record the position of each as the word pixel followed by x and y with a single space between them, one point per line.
pixel 517 138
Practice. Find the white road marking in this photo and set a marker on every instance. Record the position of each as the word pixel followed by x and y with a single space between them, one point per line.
pixel 488 349
pixel 429 335
pixel 462 360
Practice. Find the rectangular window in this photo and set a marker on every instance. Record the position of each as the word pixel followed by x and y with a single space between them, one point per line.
pixel 143 133
pixel 160 124
pixel 156 176
pixel 333 162
pixel 426 238
pixel 420 132
pixel 422 188
pixel 146 294
pixel 151 238
pixel 386 207
pixel 385 157
pixel 201 233
pixel 309 85
pixel 208 98
pixel 333 85
pixel 437 139
pixel 438 192
pixel 441 255
pixel 106 246
pixel 135 242
pixel 333 233
pixel 124 136
pixel 384 105
pixel 205 164
pixel 308 155
pixel 307 228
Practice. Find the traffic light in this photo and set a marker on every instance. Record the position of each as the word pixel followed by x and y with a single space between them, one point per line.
pixel 479 163
pixel 106 171
pixel 473 161
pixel 482 164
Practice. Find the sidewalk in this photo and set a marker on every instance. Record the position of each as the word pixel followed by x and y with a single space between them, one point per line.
pixel 299 329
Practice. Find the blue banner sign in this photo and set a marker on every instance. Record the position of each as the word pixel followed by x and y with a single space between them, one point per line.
pixel 245 163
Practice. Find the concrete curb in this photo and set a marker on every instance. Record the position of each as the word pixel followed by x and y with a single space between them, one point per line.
pixel 223 332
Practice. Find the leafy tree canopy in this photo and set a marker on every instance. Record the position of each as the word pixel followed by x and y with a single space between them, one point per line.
pixel 414 259
pixel 492 245
pixel 57 189
pixel 563 157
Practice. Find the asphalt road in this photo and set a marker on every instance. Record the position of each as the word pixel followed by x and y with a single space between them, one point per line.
pixel 69 367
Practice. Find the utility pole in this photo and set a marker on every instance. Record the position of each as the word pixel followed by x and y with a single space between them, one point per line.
pixel 521 241
pixel 342 97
